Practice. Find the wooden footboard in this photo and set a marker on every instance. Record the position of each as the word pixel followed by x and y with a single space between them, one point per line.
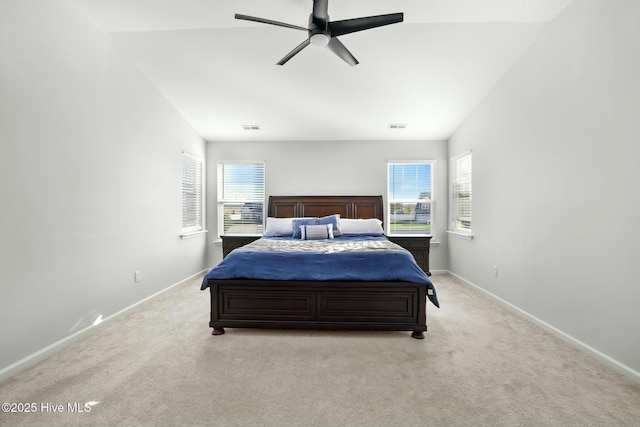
pixel 390 306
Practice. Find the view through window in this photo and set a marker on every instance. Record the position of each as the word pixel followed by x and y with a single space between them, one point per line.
pixel 410 198
pixel 461 194
pixel 240 198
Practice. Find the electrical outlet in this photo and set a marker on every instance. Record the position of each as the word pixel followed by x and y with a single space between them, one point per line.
pixel 495 271
pixel 136 276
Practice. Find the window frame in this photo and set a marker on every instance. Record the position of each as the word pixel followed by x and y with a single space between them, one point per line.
pixel 457 162
pixel 431 201
pixel 221 201
pixel 193 188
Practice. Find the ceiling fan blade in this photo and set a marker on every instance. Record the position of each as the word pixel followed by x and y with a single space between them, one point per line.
pixel 294 52
pixel 320 9
pixel 269 21
pixel 339 49
pixel 348 26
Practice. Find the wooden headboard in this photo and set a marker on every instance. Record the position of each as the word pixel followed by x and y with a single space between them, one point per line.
pixel 346 206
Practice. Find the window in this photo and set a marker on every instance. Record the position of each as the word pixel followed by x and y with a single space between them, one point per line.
pixel 410 198
pixel 240 198
pixel 461 194
pixel 192 195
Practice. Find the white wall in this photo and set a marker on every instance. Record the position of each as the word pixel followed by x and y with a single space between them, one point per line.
pixel 331 168
pixel 555 176
pixel 90 179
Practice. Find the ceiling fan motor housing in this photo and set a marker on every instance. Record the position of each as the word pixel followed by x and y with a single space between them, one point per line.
pixel 319 34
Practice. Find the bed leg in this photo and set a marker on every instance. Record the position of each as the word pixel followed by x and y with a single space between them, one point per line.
pixel 217 331
pixel 419 335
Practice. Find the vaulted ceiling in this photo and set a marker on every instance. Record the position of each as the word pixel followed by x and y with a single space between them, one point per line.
pixel 428 72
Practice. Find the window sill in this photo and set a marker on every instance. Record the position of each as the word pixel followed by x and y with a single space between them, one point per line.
pixel 460 235
pixel 432 243
pixel 193 234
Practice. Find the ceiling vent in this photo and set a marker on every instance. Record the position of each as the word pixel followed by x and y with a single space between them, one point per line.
pixel 251 127
pixel 397 126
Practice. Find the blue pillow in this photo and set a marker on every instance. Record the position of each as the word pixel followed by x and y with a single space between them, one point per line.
pixel 335 221
pixel 296 223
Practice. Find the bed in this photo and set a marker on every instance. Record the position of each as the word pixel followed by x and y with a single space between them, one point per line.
pixel 391 298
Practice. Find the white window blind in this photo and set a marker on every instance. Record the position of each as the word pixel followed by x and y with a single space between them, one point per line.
pixel 461 194
pixel 240 198
pixel 410 198
pixel 192 194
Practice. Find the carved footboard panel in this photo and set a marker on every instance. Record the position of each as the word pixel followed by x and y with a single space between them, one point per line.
pixel 391 306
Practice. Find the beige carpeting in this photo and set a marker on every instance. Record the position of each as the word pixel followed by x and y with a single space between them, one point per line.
pixel 480 365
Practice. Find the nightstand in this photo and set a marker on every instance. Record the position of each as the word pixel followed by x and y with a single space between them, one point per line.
pixel 418 246
pixel 229 243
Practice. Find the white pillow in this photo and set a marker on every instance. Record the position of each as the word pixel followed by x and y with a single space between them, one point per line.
pixel 361 226
pixel 316 232
pixel 277 227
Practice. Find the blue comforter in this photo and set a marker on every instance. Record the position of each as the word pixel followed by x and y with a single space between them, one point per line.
pixel 356 258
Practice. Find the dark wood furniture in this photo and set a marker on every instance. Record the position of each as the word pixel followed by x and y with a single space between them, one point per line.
pixel 229 243
pixel 333 305
pixel 418 246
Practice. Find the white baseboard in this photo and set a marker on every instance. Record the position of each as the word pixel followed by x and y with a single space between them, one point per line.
pixel 607 360
pixel 42 354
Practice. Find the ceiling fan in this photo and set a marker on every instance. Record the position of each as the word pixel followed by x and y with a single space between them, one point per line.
pixel 323 32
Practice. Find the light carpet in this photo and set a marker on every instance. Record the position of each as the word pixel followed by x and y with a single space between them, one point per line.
pixel 480 365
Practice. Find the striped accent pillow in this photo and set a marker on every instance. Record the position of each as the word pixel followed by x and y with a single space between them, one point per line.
pixel 296 223
pixel 316 232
